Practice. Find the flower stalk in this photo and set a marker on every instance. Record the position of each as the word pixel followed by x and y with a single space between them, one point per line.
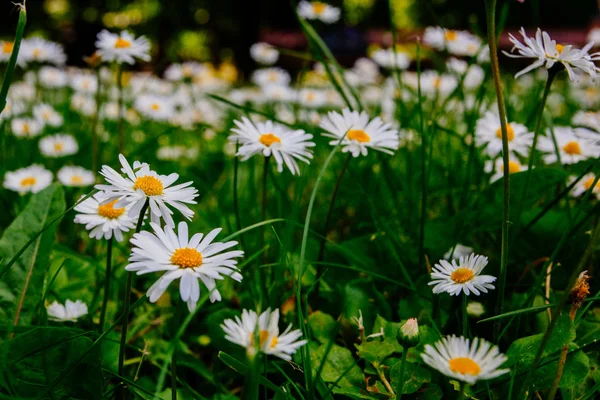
pixel 107 278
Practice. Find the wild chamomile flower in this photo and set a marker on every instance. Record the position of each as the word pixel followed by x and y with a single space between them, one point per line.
pixel 84 104
pixel 391 59
pixel 47 115
pixel 75 176
pixel 460 43
pixel 364 72
pixel 473 75
pixel 140 183
pixel 70 312
pixel 83 82
pixel 6 49
pixel 242 331
pixel 587 119
pixel 12 109
pixel 463 275
pixel 279 93
pixel 271 139
pixel 584 185
pixel 53 78
pixel 38 50
pixel 155 107
pixel 312 98
pixel 466 361
pixel 271 76
pixel 361 133
pixel 59 145
pixel 496 167
pixel 31 179
pixel 122 47
pixel 264 53
pixel 318 10
pixel 104 220
pixel 457 252
pixel 574 145
pixel 186 71
pixel 488 133
pixel 185 258
pixel 547 53
pixel 26 127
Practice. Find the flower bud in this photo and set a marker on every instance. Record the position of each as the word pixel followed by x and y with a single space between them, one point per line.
pixel 409 332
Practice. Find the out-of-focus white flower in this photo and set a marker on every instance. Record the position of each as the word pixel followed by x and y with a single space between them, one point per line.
pixel 47 115
pixel 31 179
pixel 312 98
pixel 59 145
pixel 496 167
pixel 53 78
pixel 71 311
pixel 457 252
pixel 264 53
pixel 488 133
pixel 38 50
pixel 6 49
pixel 475 309
pixel 587 119
pixel 155 107
pixel 186 71
pixel 83 82
pixel 460 43
pixel 574 145
pixel 317 10
pixel 83 104
pixel 122 47
pixel 75 176
pixel 26 127
pixel 271 76
pixel 594 36
pixel 279 93
pixel 584 185
pixel 391 59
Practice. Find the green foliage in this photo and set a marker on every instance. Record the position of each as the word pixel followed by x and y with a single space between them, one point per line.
pixel 322 326
pixel 415 376
pixel 340 366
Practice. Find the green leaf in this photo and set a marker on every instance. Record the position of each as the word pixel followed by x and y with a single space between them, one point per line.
pixel 339 367
pixel 30 362
pixel 415 376
pixel 429 392
pixel 576 369
pixel 22 287
pixel 375 351
pixel 323 326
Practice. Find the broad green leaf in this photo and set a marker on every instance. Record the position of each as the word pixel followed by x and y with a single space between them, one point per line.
pixel 21 288
pixel 375 351
pixel 576 369
pixel 415 376
pixel 323 326
pixel 340 365
pixel 429 392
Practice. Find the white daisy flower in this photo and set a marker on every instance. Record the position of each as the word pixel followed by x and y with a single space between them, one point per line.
pixel 496 167
pixel 489 133
pixel 279 93
pixel 6 49
pixel 155 107
pixel 317 10
pixel 475 309
pixel 574 145
pixel 360 132
pixel 38 50
pixel 104 220
pixel 53 78
pixel 548 53
pixel 242 331
pixel 122 47
pixel 264 53
pixel 188 259
pixel 75 176
pixel 433 84
pixel 271 76
pixel 587 119
pixel 186 71
pixel 26 127
pixel 83 104
pixel 272 139
pixel 364 72
pixel 466 361
pixel 47 115
pixel 457 252
pixel 584 185
pixel 31 179
pixel 59 145
pixel 312 98
pixel 594 36
pixel 83 82
pixel 140 183
pixel 71 311
pixel 473 74
pixel 12 109
pixel 463 275
pixel 460 43
pixel 390 59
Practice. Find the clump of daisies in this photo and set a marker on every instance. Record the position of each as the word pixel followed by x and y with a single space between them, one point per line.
pixel 463 275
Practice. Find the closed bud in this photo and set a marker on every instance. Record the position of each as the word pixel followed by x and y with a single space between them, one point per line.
pixel 409 332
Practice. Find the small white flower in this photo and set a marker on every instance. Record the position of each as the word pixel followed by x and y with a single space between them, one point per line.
pixel 71 311
pixel 317 10
pixel 242 331
pixel 312 98
pixel 584 185
pixel 31 179
pixel 38 50
pixel 574 145
pixel 475 309
pixel 464 276
pixel 279 93
pixel 59 145
pixel 271 76
pixel 594 35
pixel 473 74
pixel 360 132
pixel 488 133
pixel 141 183
pixel 271 139
pixel 83 104
pixel 587 119
pixel 75 176
pixel 457 252
pixel 264 53
pixel 122 47
pixel 461 359
pixel 460 43
pixel 102 219
pixel 12 109
pixel 83 82
pixel 185 258
pixel 6 49
pixel 53 78
pixel 390 59
pixel 186 71
pixel 26 127
pixel 155 107
pixel 496 167
pixel 47 115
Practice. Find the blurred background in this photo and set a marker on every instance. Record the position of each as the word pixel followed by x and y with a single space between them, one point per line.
pixel 218 30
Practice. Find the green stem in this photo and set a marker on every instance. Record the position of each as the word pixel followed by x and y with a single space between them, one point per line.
pixel 251 384
pixel 236 204
pixel 491 30
pixel 463 389
pixel 465 317
pixel 423 162
pixel 400 387
pixel 107 278
pixel 126 301
pixel 174 355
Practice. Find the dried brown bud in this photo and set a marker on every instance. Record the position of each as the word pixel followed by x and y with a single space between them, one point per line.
pixel 94 60
pixel 580 290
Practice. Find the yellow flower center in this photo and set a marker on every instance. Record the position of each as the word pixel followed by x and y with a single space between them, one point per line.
pixel 76 179
pixel 186 257
pixel 155 106
pixel 122 44
pixel 310 96
pixel 263 336
pixel 150 185
pixel 450 36
pixel 268 139
pixel 510 133
pixel 318 7
pixel 29 181
pixel 588 184
pixel 37 52
pixel 462 275
pixel 359 135
pixel 273 76
pixel 437 83
pixel 513 167
pixel 464 365
pixel 46 115
pixel 109 211
pixel 25 128
pixel 559 48
pixel 7 47
pixel 58 147
pixel 572 148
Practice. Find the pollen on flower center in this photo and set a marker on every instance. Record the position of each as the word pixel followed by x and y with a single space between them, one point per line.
pixel 122 44
pixel 268 139
pixel 572 148
pixel 155 106
pixel 513 167
pixel 462 275
pixel 25 128
pixel 450 36
pixel 37 52
pixel 186 257
pixel 510 133
pixel 7 47
pixel 150 185
pixel 464 365
pixel 76 179
pixel 263 336
pixel 29 181
pixel 359 135
pixel 58 146
pixel 589 182
pixel 560 48
pixel 318 7
pixel 108 210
